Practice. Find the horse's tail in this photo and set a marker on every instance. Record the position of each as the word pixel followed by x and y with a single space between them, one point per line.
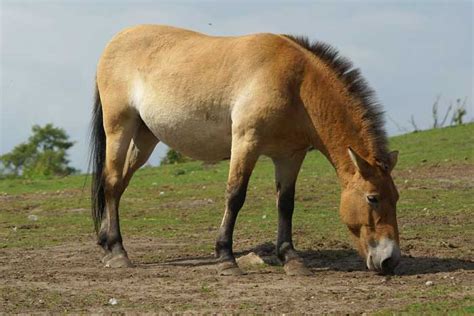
pixel 97 161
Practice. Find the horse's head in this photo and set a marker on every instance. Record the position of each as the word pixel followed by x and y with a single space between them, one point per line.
pixel 368 208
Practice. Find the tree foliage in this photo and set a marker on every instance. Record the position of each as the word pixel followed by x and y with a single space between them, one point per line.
pixel 173 157
pixel 44 154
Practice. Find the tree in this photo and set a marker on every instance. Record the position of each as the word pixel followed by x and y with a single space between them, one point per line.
pixel 459 112
pixel 436 123
pixel 173 157
pixel 44 154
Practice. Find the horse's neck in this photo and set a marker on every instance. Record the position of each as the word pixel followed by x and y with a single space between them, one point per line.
pixel 336 126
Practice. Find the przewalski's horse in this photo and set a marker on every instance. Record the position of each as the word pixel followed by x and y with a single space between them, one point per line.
pixel 213 98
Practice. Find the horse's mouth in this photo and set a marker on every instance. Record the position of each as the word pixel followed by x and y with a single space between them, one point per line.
pixel 370 263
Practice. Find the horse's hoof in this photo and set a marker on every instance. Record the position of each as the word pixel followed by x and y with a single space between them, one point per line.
pixel 229 269
pixel 118 261
pixel 296 268
pixel 106 258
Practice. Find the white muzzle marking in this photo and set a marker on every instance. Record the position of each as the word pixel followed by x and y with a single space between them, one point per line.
pixel 383 250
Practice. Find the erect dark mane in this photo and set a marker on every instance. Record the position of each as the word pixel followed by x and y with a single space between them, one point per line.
pixel 356 85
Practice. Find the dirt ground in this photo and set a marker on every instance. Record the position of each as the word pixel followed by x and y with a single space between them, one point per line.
pixel 70 278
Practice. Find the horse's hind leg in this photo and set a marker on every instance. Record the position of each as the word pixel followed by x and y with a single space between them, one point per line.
pixel 131 147
pixel 119 128
pixel 142 145
pixel 286 172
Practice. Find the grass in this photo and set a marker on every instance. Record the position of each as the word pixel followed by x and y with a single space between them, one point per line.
pixel 183 201
pixel 443 145
pixel 162 202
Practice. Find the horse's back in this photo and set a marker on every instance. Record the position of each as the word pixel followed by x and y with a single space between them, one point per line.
pixel 190 88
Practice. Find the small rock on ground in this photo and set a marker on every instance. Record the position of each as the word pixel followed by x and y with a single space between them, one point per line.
pixel 251 259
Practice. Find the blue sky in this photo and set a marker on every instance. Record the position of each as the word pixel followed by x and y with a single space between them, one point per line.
pixel 409 51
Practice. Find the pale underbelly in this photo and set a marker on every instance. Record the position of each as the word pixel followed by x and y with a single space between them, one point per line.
pixel 197 135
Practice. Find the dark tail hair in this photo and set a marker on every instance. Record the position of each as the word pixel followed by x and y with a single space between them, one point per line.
pixel 97 161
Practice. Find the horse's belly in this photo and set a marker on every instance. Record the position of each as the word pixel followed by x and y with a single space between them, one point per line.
pixel 199 134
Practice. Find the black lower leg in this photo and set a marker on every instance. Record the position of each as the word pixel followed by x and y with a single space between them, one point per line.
pixel 235 200
pixel 286 201
pixel 102 237
pixel 109 236
pixel 110 239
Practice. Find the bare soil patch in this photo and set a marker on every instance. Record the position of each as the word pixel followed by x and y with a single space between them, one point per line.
pixel 71 278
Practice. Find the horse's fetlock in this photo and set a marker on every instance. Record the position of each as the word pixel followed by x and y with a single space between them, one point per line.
pixel 285 251
pixel 102 239
pixel 223 249
pixel 221 245
pixel 114 240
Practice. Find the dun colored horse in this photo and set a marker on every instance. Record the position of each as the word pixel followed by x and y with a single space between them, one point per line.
pixel 214 98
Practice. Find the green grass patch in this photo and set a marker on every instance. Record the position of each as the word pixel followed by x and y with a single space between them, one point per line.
pixel 188 199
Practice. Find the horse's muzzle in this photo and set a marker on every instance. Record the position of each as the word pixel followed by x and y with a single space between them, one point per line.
pixel 384 256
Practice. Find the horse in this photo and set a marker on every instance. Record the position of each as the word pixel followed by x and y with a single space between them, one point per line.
pixel 214 98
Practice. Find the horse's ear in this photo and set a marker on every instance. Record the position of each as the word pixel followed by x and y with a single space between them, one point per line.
pixel 361 165
pixel 390 163
pixel 393 156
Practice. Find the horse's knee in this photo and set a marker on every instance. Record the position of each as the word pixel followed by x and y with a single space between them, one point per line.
pixel 236 198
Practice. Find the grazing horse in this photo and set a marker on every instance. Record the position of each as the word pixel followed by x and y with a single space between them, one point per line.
pixel 214 98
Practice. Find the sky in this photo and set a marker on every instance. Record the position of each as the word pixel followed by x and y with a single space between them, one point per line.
pixel 409 51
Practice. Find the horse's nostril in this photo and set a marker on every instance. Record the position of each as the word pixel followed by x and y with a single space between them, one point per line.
pixel 388 265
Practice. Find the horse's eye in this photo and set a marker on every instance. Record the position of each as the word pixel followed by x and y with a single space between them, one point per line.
pixel 372 199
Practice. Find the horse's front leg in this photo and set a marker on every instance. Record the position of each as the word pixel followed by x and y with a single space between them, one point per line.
pixel 242 162
pixel 286 172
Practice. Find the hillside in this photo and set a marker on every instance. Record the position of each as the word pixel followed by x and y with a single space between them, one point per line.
pixel 171 213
